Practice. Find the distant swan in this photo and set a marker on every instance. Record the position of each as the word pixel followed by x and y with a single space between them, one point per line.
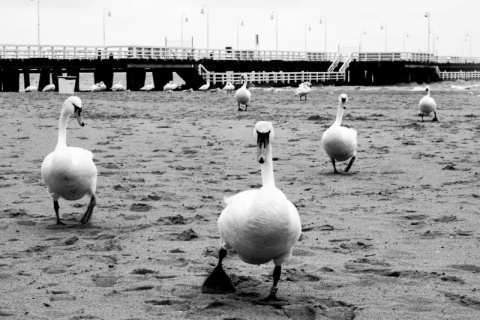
pixel 428 105
pixel 303 89
pixel 243 95
pixel 31 89
pixel 101 86
pixel 118 87
pixel 170 86
pixel 148 87
pixel 340 143
pixel 259 224
pixel 229 87
pixel 49 88
pixel 94 88
pixel 69 172
pixel 205 86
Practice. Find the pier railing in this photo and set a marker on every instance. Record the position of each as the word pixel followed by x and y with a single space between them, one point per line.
pixel 459 75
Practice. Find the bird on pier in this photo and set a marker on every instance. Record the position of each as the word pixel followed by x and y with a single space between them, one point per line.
pixel 69 172
pixel 261 225
pixel 49 88
pixel 205 86
pixel 427 105
pixel 243 95
pixel 340 143
pixel 303 89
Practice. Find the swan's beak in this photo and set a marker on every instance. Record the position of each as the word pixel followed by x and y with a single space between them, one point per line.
pixel 78 115
pixel 263 140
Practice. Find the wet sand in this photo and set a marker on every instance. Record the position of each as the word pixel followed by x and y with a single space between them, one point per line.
pixel 395 238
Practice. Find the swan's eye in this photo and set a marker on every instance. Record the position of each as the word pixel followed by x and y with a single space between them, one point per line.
pixel 77 110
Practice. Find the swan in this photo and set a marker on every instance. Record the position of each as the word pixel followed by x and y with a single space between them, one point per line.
pixel 118 87
pixel 31 88
pixel 260 224
pixel 205 86
pixel 340 143
pixel 148 87
pixel 69 172
pixel 427 105
pixel 243 95
pixel 303 89
pixel 101 86
pixel 49 88
pixel 170 86
pixel 229 87
pixel 94 88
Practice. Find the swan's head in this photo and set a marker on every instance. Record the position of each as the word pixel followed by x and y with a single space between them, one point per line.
pixel 263 134
pixel 308 84
pixel 343 99
pixel 74 106
pixel 427 88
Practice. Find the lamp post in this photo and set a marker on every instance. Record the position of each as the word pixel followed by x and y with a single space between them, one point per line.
pixel 276 30
pixel 384 26
pixel 109 14
pixel 435 37
pixel 181 20
pixel 427 15
pixel 324 21
pixel 307 28
pixel 405 36
pixel 38 22
pixel 208 22
pixel 362 33
pixel 239 23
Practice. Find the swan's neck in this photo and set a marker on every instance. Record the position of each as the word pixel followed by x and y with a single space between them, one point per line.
pixel 338 120
pixel 62 129
pixel 267 169
pixel 245 84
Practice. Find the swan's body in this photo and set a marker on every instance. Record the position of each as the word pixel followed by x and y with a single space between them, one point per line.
pixel 427 105
pixel 261 225
pixel 340 143
pixel 242 95
pixel 118 87
pixel 205 86
pixel 94 88
pixel 101 86
pixel 148 87
pixel 229 87
pixel 69 172
pixel 303 90
pixel 49 88
pixel 170 86
pixel 31 89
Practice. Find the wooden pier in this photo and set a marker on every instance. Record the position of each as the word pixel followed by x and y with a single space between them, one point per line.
pixel 197 66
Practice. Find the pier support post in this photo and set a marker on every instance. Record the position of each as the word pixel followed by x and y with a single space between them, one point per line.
pixel 161 77
pixel 11 80
pixel 55 74
pixel 105 75
pixel 26 78
pixel 135 78
pixel 44 79
pixel 75 73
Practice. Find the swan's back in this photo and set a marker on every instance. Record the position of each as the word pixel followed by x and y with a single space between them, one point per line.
pixel 427 104
pixel 340 143
pixel 242 95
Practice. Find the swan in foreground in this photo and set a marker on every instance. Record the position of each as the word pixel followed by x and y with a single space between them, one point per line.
pixel 260 224
pixel 101 86
pixel 118 87
pixel 303 89
pixel 205 86
pixel 69 172
pixel 170 86
pixel 340 143
pixel 427 105
pixel 49 88
pixel 148 87
pixel 229 87
pixel 31 89
pixel 243 95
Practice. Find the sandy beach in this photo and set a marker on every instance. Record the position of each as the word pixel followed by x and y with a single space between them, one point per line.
pixel 397 237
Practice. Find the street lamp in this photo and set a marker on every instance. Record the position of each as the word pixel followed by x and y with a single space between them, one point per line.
pixel 276 30
pixel 405 36
pixel 208 22
pixel 384 26
pixel 427 15
pixel 306 29
pixel 239 23
pixel 109 14
pixel 181 20
pixel 324 21
pixel 362 33
pixel 38 21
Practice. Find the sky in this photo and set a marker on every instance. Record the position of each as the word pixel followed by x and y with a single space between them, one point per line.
pixel 454 25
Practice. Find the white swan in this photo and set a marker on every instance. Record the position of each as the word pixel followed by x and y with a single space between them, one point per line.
pixel 170 86
pixel 340 143
pixel 303 89
pixel 94 88
pixel 69 172
pixel 118 87
pixel 427 105
pixel 148 87
pixel 31 88
pixel 229 87
pixel 101 86
pixel 49 88
pixel 260 225
pixel 243 95
pixel 205 86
